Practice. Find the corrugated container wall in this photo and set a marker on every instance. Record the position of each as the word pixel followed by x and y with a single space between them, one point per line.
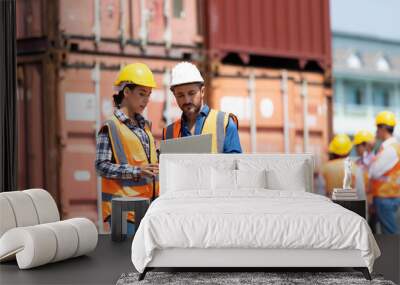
pixel 234 90
pixel 274 28
pixel 70 51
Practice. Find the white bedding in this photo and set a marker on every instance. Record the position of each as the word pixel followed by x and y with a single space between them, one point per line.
pixel 250 218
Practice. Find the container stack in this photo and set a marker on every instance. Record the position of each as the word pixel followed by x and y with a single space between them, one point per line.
pixel 268 62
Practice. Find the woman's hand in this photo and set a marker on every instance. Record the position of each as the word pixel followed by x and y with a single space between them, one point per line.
pixel 149 170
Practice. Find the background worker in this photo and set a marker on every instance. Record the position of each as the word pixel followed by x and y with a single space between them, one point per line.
pixel 197 118
pixel 126 156
pixel 384 174
pixel 364 142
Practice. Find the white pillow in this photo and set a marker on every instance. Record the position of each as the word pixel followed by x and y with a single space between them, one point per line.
pixel 293 180
pixel 223 179
pixel 282 174
pixel 251 178
pixel 183 177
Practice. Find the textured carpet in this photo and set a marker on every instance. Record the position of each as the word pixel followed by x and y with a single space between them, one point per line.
pixel 226 278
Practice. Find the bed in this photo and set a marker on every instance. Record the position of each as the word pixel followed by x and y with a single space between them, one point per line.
pixel 247 210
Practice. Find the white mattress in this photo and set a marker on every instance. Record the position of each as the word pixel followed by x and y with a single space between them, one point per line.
pixel 251 219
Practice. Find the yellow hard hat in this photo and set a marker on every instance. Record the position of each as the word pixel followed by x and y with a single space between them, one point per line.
pixel 362 137
pixel 386 118
pixel 136 73
pixel 340 145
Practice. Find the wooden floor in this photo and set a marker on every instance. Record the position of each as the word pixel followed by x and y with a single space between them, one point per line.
pixel 110 260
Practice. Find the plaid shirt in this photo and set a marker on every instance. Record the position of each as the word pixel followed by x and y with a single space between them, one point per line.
pixel 105 160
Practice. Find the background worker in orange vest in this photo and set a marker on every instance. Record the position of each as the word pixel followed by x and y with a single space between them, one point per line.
pixel 126 157
pixel 332 172
pixel 187 85
pixel 384 174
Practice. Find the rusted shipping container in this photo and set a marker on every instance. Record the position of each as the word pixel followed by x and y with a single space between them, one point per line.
pixel 37 124
pixel 230 91
pixel 274 28
pixel 30 19
pixel 156 28
pixel 30 125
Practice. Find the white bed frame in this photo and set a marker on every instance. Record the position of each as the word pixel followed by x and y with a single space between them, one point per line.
pixel 256 258
pixel 252 258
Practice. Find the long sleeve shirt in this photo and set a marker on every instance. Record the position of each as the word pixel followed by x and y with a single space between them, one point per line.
pixel 385 160
pixel 105 163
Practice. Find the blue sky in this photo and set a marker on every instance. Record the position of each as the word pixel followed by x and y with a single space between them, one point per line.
pixel 377 18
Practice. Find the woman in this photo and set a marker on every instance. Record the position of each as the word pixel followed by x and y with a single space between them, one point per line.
pixel 126 156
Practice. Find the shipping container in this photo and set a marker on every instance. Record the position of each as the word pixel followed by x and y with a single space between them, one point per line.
pixel 38 144
pixel 114 27
pixel 229 90
pixel 30 20
pixel 287 29
pixel 70 51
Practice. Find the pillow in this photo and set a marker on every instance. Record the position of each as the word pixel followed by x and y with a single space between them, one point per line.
pixel 183 177
pixel 293 180
pixel 251 178
pixel 223 179
pixel 282 173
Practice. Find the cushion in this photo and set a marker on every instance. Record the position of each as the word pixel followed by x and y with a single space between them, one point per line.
pixel 282 174
pixel 40 244
pixel 223 179
pixel 27 208
pixel 23 208
pixel 183 177
pixel 66 237
pixel 45 205
pixel 7 215
pixel 87 235
pixel 293 180
pixel 251 178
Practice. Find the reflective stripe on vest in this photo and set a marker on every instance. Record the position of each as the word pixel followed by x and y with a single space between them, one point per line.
pixel 388 185
pixel 215 123
pixel 128 149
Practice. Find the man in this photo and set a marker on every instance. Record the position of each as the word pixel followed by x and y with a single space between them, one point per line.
pixel 197 118
pixel 333 171
pixel 364 144
pixel 384 174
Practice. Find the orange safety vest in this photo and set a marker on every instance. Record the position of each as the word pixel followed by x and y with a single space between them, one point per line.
pixel 333 174
pixel 388 185
pixel 127 148
pixel 215 124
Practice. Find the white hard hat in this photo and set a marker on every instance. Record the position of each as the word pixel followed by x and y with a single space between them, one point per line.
pixel 185 72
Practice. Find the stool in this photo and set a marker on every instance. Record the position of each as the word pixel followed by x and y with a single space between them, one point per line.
pixel 119 207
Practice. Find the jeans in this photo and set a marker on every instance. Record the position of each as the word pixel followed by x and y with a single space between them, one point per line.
pixel 386 209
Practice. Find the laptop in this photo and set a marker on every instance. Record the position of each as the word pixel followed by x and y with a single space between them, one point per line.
pixel 190 144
